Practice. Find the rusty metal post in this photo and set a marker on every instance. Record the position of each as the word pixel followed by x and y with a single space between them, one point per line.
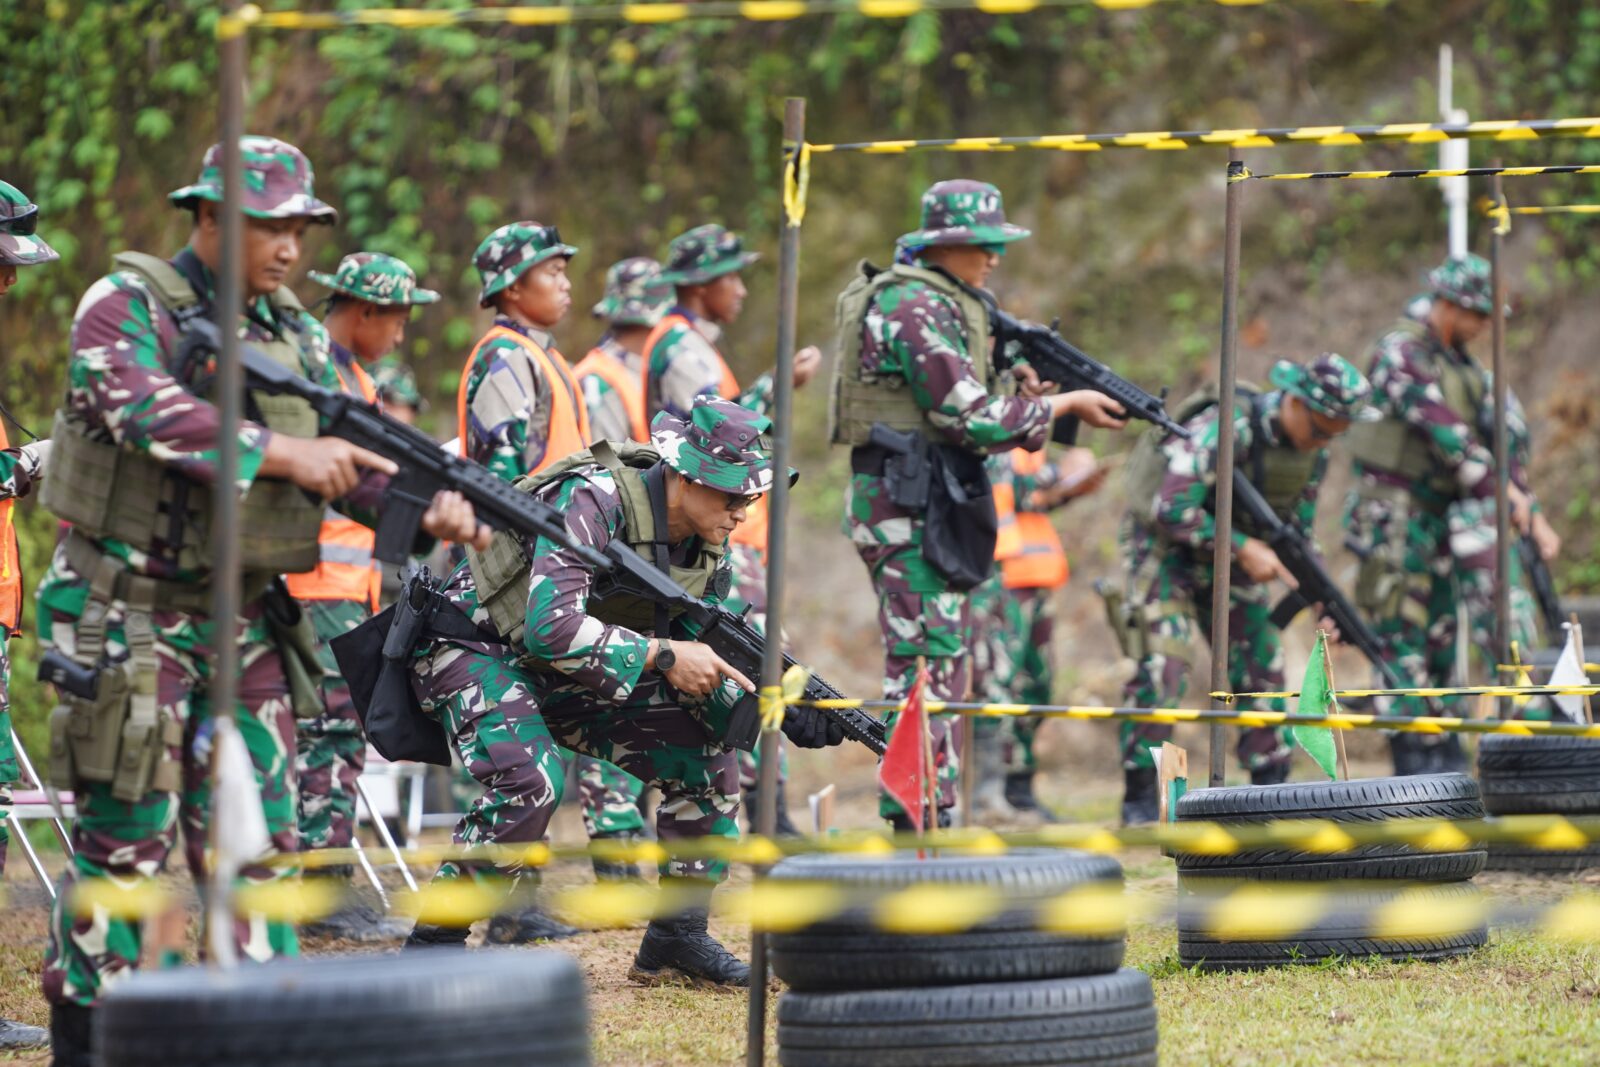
pixel 1502 450
pixel 1222 559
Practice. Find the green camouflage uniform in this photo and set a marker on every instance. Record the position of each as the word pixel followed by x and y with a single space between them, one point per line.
pixel 634 295
pixel 120 390
pixel 1169 561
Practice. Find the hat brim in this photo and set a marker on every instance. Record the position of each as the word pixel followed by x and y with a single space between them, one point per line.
pixel 18 250
pixel 309 208
pixel 1005 233
pixel 419 296
pixel 711 272
pixel 522 268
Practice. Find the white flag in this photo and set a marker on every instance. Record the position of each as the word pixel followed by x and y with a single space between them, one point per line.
pixel 1569 671
pixel 238 831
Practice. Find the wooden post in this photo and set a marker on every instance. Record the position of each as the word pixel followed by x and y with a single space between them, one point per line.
pixel 1502 448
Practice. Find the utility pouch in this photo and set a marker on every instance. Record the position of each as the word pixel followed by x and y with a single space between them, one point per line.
pixel 1125 619
pixel 961 525
pixel 296 640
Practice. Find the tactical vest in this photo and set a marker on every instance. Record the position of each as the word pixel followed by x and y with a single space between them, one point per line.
pixel 502 573
pixel 569 418
pixel 856 401
pixel 1039 561
pixel 1279 472
pixel 109 492
pixel 1395 446
pixel 623 382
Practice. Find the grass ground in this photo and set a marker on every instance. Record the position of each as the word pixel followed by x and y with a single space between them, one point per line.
pixel 1524 999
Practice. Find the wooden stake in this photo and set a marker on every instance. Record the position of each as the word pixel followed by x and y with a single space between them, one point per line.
pixel 1577 639
pixel 1338 734
pixel 929 781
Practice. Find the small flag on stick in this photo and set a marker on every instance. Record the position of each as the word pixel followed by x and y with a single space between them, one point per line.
pixel 904 771
pixel 1569 671
pixel 1316 698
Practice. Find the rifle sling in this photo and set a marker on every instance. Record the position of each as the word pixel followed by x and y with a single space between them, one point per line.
pixel 655 483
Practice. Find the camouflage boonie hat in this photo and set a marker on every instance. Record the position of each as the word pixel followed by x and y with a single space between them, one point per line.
pixel 509 251
pixel 397 383
pixel 277 182
pixel 1330 385
pixel 376 278
pixel 1465 281
pixel 720 445
pixel 704 254
pixel 962 212
pixel 19 245
pixel 635 294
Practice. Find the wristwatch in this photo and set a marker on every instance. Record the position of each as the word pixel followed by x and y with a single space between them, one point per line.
pixel 666 659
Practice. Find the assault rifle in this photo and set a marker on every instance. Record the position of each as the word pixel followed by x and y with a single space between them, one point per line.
pixel 1059 360
pixel 1544 589
pixel 1316 587
pixel 425 469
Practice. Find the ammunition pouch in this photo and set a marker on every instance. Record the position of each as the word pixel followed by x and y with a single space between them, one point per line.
pixel 296 640
pixel 1125 619
pixel 108 726
pixel 1381 578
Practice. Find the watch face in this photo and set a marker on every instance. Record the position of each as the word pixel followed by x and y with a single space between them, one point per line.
pixel 665 659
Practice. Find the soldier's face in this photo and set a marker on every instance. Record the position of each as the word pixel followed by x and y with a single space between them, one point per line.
pixel 724 297
pixel 378 331
pixel 543 295
pixel 713 514
pixel 1309 430
pixel 8 277
pixel 970 263
pixel 401 411
pixel 271 249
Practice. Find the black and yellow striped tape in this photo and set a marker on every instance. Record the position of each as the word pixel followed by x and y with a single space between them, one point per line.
pixel 1245 174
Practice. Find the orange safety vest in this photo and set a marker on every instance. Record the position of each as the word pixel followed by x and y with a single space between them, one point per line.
pixel 752 532
pixel 1036 559
pixel 10 564
pixel 615 373
pixel 346 569
pixel 569 419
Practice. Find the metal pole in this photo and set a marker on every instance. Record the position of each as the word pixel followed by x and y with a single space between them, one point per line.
pixel 794 134
pixel 382 829
pixel 1502 450
pixel 229 398
pixel 33 776
pixel 1222 559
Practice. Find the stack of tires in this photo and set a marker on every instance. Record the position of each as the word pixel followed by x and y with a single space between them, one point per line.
pixel 1000 991
pixel 1374 891
pixel 1540 776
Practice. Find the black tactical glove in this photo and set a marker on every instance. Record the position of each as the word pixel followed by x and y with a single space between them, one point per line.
pixel 810 728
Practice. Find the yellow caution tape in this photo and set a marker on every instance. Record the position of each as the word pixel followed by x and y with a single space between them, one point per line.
pixel 796 183
pixel 1559 209
pixel 1370 175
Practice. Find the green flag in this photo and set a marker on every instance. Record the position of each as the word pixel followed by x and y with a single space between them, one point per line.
pixel 1316 698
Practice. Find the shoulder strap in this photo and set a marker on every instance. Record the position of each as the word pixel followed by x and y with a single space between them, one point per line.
pixel 166 282
pixel 655 484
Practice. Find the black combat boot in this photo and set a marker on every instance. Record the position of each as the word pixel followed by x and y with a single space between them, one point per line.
pixel 679 950
pixel 527 926
pixel 1275 773
pixel 1020 795
pixel 1410 757
pixel 752 798
pixel 429 936
pixel 354 919
pixel 17 1037
pixel 1446 755
pixel 69 1036
pixel 901 822
pixel 1141 799
pixel 607 869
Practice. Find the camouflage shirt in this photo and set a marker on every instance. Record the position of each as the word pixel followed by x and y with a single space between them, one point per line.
pixel 685 363
pixel 916 334
pixel 598 657
pixel 1185 504
pixel 18 471
pixel 118 384
pixel 508 422
pixel 608 412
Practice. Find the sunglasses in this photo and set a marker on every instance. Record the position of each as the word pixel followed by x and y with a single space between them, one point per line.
pixel 22 225
pixel 735 502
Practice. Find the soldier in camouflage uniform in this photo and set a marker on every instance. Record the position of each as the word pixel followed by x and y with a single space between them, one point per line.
pixel 1422 511
pixel 20 468
pixel 682 362
pixel 572 674
pixel 133 585
pixel 373 296
pixel 397 391
pixel 1168 540
pixel 914 356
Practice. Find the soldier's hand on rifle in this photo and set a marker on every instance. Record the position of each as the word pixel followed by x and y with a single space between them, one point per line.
pixel 698 670
pixel 1545 538
pixel 1257 560
pixel 450 518
pixel 806 363
pixel 1326 623
pixel 1094 408
pixel 1028 382
pixel 809 728
pixel 328 466
pixel 1521 509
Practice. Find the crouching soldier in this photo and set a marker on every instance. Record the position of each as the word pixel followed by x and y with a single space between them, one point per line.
pixel 561 661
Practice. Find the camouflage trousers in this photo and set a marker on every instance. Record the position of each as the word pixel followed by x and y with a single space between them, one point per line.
pixel 130 840
pixel 509 730
pixel 610 797
pixel 9 771
pixel 330 750
pixel 1011 663
pixel 1179 603
pixel 750 591
pixel 920 615
pixel 1472 547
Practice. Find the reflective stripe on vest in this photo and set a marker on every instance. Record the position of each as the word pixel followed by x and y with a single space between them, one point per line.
pixel 346 569
pixel 569 419
pixel 10 563
pixel 752 532
pixel 1039 561
pixel 615 373
pixel 1008 538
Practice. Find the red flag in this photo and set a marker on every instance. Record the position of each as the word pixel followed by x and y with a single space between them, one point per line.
pixel 903 772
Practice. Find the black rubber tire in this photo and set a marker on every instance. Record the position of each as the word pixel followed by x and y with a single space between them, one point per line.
pixel 418 1009
pixel 1348 933
pixel 1539 775
pixel 1362 800
pixel 849 951
pixel 1509 857
pixel 1107 1019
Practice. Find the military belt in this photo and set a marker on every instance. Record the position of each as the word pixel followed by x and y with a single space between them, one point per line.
pixel 190 598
